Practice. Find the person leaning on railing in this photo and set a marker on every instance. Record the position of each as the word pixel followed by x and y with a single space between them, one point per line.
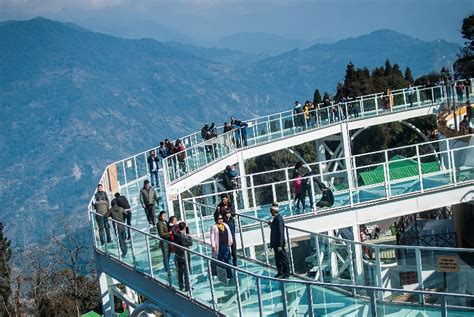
pixel 118 214
pixel 122 201
pixel 101 206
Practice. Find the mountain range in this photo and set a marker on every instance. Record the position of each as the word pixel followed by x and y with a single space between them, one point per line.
pixel 73 100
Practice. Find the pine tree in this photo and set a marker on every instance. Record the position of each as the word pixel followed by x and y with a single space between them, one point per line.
pixel 6 308
pixel 388 68
pixel 326 96
pixel 408 76
pixel 317 97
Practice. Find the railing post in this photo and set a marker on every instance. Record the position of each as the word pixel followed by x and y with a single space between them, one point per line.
pixel 196 219
pixel 444 307
pixel 287 181
pixel 119 250
pixel 241 233
pixel 362 106
pixel 252 188
pixel 451 155
pixel 202 225
pixel 420 172
pixel 259 296
pixel 373 303
pixel 450 166
pixel 309 293
pixel 274 192
pixel 376 105
pixel 320 261
pixel 351 258
pixel 237 289
pixel 264 243
pixel 211 284
pixel 281 125
pixel 147 245
pixel 284 299
pixel 136 169
pixel 388 188
pixel 292 264
pixel 419 273
pixel 187 274
pixel 378 270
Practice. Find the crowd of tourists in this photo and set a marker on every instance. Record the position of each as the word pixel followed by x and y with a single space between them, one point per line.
pixel 222 233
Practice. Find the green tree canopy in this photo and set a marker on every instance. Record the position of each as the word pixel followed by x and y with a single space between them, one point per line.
pixel 464 66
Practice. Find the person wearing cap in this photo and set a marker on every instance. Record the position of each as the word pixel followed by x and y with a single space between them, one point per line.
pixel 101 206
pixel 277 242
pixel 122 201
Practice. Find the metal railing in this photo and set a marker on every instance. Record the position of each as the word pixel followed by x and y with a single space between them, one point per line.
pixel 245 293
pixel 336 260
pixel 287 123
pixel 446 169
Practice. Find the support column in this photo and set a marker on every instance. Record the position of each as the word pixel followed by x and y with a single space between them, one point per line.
pixel 321 153
pixel 358 265
pixel 243 183
pixel 346 141
pixel 106 295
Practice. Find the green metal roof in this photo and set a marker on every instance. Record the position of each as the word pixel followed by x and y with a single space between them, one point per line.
pixel 400 167
pixel 91 314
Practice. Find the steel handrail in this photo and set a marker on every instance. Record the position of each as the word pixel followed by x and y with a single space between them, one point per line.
pixel 297 281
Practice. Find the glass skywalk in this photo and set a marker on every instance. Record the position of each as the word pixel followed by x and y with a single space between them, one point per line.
pixel 348 286
pixel 253 292
pixel 285 124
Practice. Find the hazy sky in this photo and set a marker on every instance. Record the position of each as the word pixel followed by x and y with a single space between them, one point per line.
pixel 207 20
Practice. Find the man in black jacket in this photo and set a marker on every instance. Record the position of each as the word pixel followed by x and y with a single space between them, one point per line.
pixel 183 239
pixel 223 206
pixel 277 242
pixel 122 201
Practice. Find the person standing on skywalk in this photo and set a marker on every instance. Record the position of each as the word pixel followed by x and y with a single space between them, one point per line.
pixel 101 206
pixel 148 200
pixel 277 242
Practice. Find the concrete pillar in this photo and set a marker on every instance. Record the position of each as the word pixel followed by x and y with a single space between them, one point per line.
pixel 106 296
pixel 243 183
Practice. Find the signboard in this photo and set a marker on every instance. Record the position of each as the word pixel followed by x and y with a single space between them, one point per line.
pixel 447 263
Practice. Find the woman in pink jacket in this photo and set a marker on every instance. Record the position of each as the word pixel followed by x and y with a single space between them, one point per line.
pixel 221 240
pixel 297 189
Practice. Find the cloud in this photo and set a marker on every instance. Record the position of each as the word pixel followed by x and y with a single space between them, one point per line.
pixel 41 7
